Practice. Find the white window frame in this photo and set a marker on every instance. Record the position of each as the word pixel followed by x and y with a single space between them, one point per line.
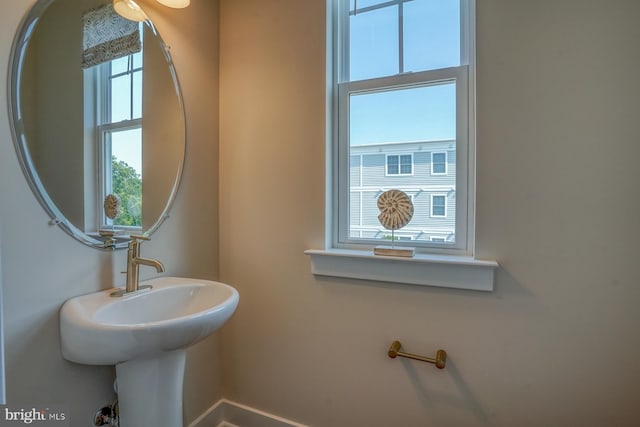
pixel 446 211
pixel 455 267
pixel 386 164
pixel 446 163
pixel 462 75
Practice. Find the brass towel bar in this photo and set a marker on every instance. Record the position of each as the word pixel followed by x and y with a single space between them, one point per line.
pixel 440 360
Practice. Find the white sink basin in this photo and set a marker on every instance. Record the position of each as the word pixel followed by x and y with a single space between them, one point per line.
pixel 97 329
pixel 145 335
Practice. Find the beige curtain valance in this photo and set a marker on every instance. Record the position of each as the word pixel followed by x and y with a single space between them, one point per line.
pixel 107 36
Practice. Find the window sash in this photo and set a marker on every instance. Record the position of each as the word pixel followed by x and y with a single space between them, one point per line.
pixel 341 154
pixel 105 165
pixel 393 165
pixel 130 74
pixel 405 164
pixel 341 40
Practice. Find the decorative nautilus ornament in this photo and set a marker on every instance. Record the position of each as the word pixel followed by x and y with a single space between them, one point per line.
pixel 396 209
pixel 112 206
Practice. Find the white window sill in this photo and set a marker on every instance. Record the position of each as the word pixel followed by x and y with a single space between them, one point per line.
pixel 445 271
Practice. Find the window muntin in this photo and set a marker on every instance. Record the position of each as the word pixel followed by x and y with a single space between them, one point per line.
pixel 432 34
pixel 381 107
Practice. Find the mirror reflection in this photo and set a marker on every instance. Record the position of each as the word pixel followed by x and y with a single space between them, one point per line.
pixel 97 112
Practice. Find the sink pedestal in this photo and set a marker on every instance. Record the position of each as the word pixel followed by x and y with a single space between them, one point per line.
pixel 150 390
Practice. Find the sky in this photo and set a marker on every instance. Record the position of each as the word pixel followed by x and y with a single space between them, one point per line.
pixel 423 113
pixel 127 146
pixel 431 34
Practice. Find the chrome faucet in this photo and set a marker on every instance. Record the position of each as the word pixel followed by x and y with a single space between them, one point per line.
pixel 134 260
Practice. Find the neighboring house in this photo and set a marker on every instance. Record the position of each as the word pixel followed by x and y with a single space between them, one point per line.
pixel 425 170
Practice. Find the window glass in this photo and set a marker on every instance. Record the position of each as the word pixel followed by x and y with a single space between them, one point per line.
pixel 374 44
pixel 126 175
pixel 438 206
pixel 121 98
pixel 119 65
pixel 392 165
pixel 414 119
pixel 137 60
pixel 406 164
pixel 439 163
pixel 431 34
pixel 405 114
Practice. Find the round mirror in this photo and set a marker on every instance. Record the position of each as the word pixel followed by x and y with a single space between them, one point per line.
pixel 97 118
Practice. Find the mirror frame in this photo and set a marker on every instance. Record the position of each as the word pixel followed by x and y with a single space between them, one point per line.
pixel 16 60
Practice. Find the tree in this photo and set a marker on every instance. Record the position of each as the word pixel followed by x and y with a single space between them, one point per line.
pixel 127 184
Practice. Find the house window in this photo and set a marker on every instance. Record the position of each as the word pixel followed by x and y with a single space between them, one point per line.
pixel 119 83
pixel 399 164
pixel 438 205
pixel 439 163
pixel 402 75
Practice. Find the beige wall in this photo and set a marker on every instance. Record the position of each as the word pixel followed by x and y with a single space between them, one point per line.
pixel 58 92
pixel 162 126
pixel 555 344
pixel 42 266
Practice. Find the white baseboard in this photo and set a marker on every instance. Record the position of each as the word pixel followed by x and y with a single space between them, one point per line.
pixel 231 414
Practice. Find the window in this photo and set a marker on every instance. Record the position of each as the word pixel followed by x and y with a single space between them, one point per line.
pixel 439 163
pixel 403 82
pixel 399 164
pixel 438 206
pixel 120 137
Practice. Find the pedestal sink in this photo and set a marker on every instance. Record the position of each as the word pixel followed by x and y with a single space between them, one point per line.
pixel 145 334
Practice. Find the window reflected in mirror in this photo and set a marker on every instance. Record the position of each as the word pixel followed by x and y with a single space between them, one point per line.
pixel 119 85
